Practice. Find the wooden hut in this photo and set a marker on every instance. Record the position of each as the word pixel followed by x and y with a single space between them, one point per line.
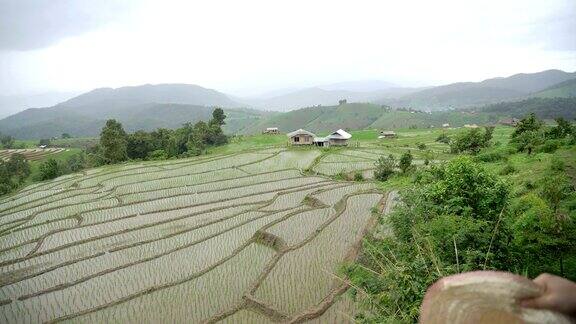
pixel 271 130
pixel 387 134
pixel 301 137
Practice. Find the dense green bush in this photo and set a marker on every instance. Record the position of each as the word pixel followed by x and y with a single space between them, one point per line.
pixel 459 217
pixel 472 140
pixel 13 173
pixel 550 146
pixel 556 164
pixel 405 163
pixel 50 169
pixel 158 155
pixel 509 168
pixel 384 167
pixel 443 138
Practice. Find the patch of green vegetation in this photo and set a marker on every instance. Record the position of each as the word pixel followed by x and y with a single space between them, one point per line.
pixel 502 209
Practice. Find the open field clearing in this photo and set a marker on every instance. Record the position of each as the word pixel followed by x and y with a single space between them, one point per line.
pixel 30 154
pixel 238 238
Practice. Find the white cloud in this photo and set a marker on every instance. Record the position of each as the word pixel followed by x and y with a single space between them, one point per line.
pixel 241 45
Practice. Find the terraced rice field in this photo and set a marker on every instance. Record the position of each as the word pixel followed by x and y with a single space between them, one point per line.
pixel 348 161
pixel 237 238
pixel 30 154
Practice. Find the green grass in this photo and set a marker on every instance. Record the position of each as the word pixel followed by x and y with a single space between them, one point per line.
pixel 35 165
pixel 250 142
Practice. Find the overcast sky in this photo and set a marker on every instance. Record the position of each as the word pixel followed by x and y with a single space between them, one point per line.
pixel 245 47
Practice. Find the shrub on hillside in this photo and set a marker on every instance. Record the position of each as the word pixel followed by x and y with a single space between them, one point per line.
pixel 49 169
pixel 405 163
pixel 158 155
pixel 443 138
pixel 384 167
pixel 550 146
pixel 557 164
pixel 509 168
pixel 472 140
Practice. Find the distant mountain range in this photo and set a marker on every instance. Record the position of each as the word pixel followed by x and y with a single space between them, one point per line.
pixel 466 94
pixel 170 105
pixel 10 105
pixel 141 107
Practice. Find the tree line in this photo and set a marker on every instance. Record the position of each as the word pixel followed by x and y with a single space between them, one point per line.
pixel 116 146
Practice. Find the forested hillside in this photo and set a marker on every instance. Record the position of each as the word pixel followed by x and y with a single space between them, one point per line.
pixel 467 94
pixel 546 108
pixel 560 90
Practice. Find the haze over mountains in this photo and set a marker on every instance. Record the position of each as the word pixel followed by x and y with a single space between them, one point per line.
pixel 170 105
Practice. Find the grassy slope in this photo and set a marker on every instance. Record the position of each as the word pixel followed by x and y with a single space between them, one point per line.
pixel 35 165
pixel 322 119
pixel 562 90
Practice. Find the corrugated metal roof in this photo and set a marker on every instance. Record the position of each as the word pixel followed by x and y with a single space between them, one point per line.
pixel 340 134
pixel 300 132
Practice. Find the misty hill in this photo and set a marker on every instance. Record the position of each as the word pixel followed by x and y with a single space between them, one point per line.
pixel 50 122
pixel 319 96
pixel 323 118
pixel 142 107
pixel 373 116
pixel 545 108
pixel 360 86
pixel 466 94
pixel 564 89
pixel 10 105
pixel 363 115
pixel 101 101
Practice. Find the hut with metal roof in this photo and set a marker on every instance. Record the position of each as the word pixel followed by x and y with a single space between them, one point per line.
pixel 301 137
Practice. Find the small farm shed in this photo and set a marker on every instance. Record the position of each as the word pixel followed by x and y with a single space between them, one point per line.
pixel 387 134
pixel 301 137
pixel 338 138
pixel 271 130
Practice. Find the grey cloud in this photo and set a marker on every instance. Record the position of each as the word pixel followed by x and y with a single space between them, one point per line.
pixel 33 24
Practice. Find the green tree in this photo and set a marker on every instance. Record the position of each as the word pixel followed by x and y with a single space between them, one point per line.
pixel 562 129
pixel 18 167
pixel 66 135
pixel 218 117
pixel 555 188
pixel 6 184
pixel 44 141
pixel 113 142
pixel 76 162
pixel 384 167
pixel 528 124
pixel 49 169
pixel 161 139
pixel 488 134
pixel 527 141
pixel 7 141
pixel 472 140
pixel 405 161
pixel 443 138
pixel 139 145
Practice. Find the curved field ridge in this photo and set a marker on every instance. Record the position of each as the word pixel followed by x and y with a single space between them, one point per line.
pixel 30 154
pixel 243 237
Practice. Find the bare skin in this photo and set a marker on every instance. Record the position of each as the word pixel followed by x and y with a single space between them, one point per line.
pixel 559 295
